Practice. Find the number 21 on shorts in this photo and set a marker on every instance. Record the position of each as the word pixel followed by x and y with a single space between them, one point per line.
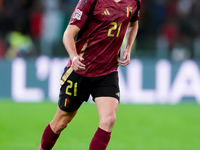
pixel 70 86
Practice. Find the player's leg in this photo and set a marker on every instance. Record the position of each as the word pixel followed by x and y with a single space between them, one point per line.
pixel 70 99
pixel 61 120
pixel 53 130
pixel 107 108
pixel 106 96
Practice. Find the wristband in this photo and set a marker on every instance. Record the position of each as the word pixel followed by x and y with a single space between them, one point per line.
pixel 74 58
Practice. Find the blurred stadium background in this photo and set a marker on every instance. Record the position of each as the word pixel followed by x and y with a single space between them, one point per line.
pixel 164 72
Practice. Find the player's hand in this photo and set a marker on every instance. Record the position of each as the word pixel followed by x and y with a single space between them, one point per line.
pixel 126 57
pixel 77 63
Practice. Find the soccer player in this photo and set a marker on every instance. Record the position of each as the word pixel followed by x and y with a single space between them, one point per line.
pixel 100 26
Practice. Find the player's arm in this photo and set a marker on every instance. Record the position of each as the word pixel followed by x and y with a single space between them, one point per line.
pixel 69 43
pixel 130 35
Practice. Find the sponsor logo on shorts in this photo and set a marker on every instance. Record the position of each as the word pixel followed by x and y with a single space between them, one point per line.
pixel 117 94
pixel 77 14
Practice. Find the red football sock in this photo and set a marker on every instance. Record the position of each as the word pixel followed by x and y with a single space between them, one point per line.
pixel 100 140
pixel 49 138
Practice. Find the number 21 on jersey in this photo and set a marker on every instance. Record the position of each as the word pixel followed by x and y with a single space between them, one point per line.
pixel 114 27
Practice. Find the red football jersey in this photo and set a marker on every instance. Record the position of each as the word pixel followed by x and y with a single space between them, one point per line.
pixel 100 42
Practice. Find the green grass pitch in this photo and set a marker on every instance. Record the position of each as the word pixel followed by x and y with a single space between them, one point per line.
pixel 138 127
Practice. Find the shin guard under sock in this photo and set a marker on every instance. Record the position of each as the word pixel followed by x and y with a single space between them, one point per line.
pixel 100 140
pixel 49 138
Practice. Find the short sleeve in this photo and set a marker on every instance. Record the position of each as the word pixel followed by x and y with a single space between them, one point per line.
pixel 136 15
pixel 80 14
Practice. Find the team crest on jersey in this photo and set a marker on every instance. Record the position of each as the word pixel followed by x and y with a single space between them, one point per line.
pixel 77 14
pixel 128 11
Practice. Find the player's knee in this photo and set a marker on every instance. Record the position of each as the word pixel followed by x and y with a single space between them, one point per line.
pixel 57 127
pixel 61 126
pixel 111 121
pixel 108 122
